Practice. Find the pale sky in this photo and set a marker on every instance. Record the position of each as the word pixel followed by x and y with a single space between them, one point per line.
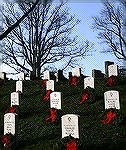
pixel 84 10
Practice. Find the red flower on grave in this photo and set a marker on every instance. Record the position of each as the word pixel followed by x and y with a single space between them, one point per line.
pixel 47 96
pixel 85 96
pixel 72 145
pixel 44 83
pixel 5 139
pixel 110 80
pixel 74 81
pixel 11 110
pixel 110 116
pixel 52 116
pixel 8 139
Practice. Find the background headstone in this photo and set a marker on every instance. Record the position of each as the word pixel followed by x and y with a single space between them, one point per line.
pixel 111 99
pixel 56 75
pixel 70 125
pixel 113 70
pixel 9 123
pixel 88 81
pixel 50 85
pixel 2 75
pixel 76 72
pixel 46 75
pixel 55 100
pixel 14 98
pixel 21 76
pixel 19 86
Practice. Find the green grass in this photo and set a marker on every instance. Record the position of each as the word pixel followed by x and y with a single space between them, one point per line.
pixel 33 132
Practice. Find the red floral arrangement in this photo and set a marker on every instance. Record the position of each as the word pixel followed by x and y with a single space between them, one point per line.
pixel 88 96
pixel 44 83
pixel 111 115
pixel 8 140
pixel 72 145
pixel 85 96
pixel 53 115
pixel 69 142
pixel 47 96
pixel 111 81
pixel 11 110
pixel 74 81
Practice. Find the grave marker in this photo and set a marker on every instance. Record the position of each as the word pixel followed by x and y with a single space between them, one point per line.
pixel 9 123
pixel 14 98
pixel 111 99
pixel 56 75
pixel 21 76
pixel 70 125
pixel 46 75
pixel 55 100
pixel 76 72
pixel 113 70
pixel 88 81
pixel 50 85
pixel 19 86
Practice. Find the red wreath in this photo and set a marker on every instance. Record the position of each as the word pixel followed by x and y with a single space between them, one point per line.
pixel 85 96
pixel 11 110
pixel 52 116
pixel 74 81
pixel 47 96
pixel 111 80
pixel 72 145
pixel 44 83
pixel 110 116
pixel 5 140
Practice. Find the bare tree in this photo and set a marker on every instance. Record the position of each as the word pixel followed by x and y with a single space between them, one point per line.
pixel 44 37
pixel 13 26
pixel 110 26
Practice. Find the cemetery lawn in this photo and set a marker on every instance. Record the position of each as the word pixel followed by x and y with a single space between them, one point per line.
pixel 35 134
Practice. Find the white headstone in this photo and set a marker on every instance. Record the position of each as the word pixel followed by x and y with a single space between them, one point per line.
pixel 56 75
pixel 55 100
pixel 14 98
pixel 111 99
pixel 46 75
pixel 113 70
pixel 19 86
pixel 9 123
pixel 88 81
pixel 2 75
pixel 76 72
pixel 70 125
pixel 21 76
pixel 50 85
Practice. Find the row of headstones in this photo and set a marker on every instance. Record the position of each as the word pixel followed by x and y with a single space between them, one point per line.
pixel 112 70
pixel 69 121
pixel 10 118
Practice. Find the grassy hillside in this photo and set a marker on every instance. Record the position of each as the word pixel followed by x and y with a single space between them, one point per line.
pixel 35 134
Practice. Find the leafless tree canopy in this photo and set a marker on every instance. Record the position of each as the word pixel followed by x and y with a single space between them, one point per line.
pixel 110 26
pixel 44 37
pixel 13 26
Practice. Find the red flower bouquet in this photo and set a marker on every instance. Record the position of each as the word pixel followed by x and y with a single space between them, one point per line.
pixel 52 116
pixel 8 140
pixel 111 81
pixel 47 96
pixel 74 81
